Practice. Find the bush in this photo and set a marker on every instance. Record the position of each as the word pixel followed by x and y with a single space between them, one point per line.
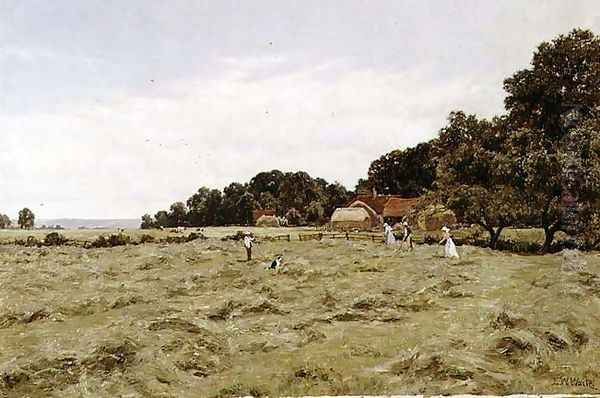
pixel 145 238
pixel 32 241
pixel 54 239
pixel 113 240
pixel 239 235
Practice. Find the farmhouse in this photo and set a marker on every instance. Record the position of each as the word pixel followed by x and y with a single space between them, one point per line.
pixel 258 213
pixel 383 207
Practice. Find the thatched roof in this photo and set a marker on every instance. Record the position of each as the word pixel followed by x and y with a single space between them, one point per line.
pixel 350 214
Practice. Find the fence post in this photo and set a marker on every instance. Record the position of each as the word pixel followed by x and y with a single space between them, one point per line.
pixel 289 238
pixel 347 237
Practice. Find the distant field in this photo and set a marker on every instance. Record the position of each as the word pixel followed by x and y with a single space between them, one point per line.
pixel 342 317
pixel 8 235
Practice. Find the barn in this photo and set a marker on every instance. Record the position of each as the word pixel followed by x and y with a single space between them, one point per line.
pixel 350 218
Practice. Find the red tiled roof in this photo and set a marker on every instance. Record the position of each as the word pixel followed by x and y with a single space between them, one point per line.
pixel 377 203
pixel 399 207
pixel 387 205
pixel 256 214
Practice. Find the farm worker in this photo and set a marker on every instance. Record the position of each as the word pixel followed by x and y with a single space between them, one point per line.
pixel 407 235
pixel 450 248
pixel 248 243
pixel 388 235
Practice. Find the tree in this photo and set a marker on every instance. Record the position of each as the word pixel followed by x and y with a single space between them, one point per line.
pixel 474 175
pixel 5 221
pixel 162 218
pixel 315 213
pixel 197 207
pixel 246 205
pixel 409 172
pixel 205 207
pixel 298 190
pixel 294 217
pixel 546 103
pixel 266 181
pixel 336 196
pixel 177 214
pixel 26 219
pixel 231 197
pixel 266 200
pixel 147 222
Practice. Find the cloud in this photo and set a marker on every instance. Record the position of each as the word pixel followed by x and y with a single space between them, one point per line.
pixel 144 149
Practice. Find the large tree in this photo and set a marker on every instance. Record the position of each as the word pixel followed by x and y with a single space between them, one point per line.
pixel 298 190
pixel 162 218
pixel 266 181
pixel 231 198
pixel 474 175
pixel 177 214
pixel 26 219
pixel 548 105
pixel 409 172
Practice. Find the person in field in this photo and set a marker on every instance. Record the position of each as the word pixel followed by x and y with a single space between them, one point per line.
pixel 388 235
pixel 248 243
pixel 407 238
pixel 450 247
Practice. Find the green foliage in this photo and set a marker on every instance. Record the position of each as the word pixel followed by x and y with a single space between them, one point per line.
pixel 177 214
pixel 409 172
pixel 5 221
pixel 55 239
pixel 294 217
pixel 162 218
pixel 148 222
pixel 26 219
pixel 315 213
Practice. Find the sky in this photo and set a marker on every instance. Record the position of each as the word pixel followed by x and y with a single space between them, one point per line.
pixel 111 109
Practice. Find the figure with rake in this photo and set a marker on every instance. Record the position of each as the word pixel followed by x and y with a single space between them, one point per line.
pixel 407 238
pixel 248 244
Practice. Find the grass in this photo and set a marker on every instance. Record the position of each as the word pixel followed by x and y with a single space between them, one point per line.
pixel 341 317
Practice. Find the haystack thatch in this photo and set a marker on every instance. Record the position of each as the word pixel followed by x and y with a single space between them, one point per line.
pixel 349 218
pixel 435 217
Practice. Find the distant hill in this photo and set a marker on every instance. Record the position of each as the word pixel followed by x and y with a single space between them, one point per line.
pixel 75 223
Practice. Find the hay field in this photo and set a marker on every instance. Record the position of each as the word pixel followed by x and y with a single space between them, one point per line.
pixel 341 317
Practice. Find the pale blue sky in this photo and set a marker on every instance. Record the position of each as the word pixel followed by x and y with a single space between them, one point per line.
pixel 114 108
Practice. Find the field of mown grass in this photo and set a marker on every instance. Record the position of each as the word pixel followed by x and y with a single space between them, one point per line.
pixel 341 317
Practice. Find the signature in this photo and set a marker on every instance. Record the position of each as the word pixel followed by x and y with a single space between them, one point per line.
pixel 574 382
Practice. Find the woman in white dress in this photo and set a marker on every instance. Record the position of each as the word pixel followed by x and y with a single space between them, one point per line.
pixel 450 248
pixel 388 234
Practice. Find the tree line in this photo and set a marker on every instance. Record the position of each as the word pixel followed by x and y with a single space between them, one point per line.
pixel 537 164
pixel 26 219
pixel 297 196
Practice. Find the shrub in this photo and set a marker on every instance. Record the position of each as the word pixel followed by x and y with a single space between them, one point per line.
pixel 145 238
pixel 54 239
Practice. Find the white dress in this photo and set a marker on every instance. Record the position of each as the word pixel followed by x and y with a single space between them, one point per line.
pixel 450 248
pixel 390 239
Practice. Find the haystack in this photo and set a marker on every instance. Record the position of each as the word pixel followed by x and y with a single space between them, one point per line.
pixel 434 217
pixel 267 221
pixel 350 218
